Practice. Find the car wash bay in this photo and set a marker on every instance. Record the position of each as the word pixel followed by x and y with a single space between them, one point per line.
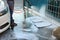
pixel 17 33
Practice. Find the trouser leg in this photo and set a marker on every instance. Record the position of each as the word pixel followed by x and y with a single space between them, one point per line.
pixel 11 20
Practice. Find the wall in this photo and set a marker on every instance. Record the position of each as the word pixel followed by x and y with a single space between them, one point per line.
pixel 38 3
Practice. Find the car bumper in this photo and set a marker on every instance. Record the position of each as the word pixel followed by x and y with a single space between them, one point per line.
pixel 4 22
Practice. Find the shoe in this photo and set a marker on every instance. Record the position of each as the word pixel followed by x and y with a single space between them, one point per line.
pixel 13 24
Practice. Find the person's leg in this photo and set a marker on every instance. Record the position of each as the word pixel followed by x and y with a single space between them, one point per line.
pixel 11 7
pixel 11 19
pixel 12 24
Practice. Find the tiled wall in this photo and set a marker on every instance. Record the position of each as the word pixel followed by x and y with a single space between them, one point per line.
pixel 54 8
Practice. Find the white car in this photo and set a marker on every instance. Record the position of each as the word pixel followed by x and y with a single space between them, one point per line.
pixel 4 16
